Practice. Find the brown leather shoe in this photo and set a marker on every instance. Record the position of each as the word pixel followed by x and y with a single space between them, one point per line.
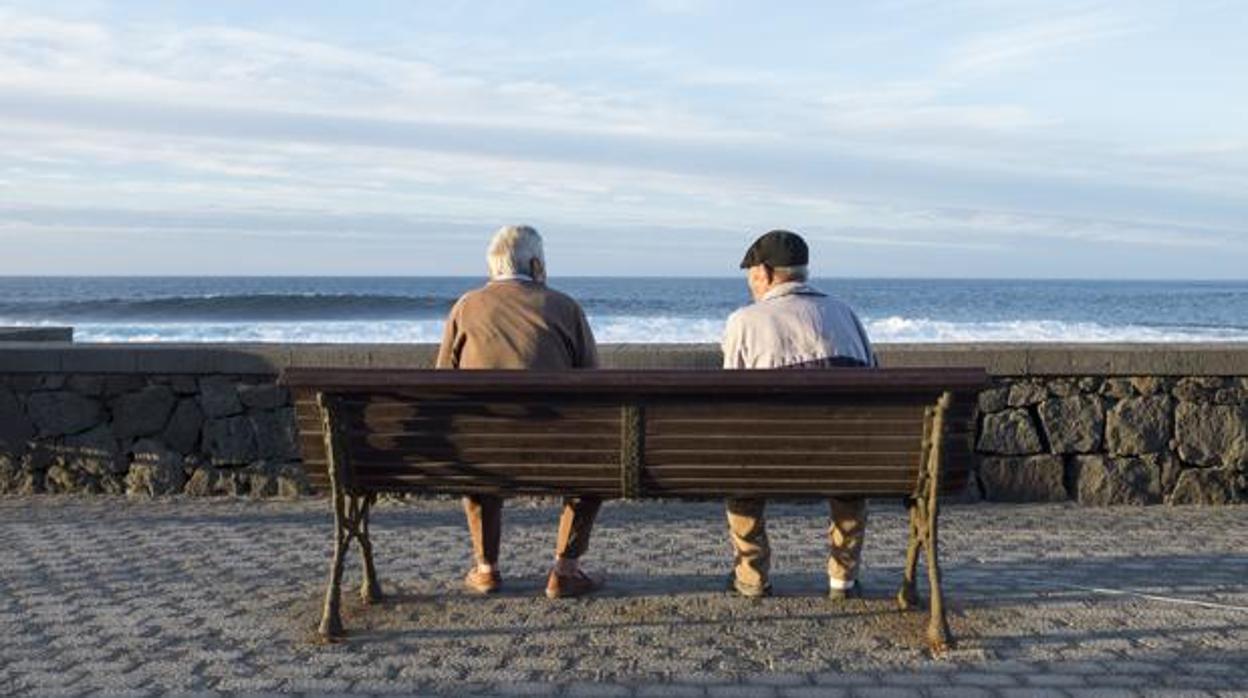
pixel 483 582
pixel 562 586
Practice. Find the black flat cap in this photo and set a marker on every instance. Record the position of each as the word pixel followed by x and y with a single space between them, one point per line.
pixel 778 248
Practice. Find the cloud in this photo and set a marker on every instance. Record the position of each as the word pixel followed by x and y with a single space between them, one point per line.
pixel 681 7
pixel 1036 40
pixel 211 132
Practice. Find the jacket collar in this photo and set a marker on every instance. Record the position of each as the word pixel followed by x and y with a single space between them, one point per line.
pixel 792 288
pixel 521 278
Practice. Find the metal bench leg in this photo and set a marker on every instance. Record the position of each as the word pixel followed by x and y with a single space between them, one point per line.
pixel 370 589
pixel 350 521
pixel 907 597
pixel 331 617
pixel 939 639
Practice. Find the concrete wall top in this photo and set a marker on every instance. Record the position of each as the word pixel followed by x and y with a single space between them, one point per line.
pixel 1226 359
pixel 36 334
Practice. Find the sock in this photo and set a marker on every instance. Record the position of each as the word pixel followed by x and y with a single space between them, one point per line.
pixel 840 584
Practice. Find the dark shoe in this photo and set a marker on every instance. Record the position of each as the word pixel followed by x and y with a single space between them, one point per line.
pixel 483 582
pixel 745 591
pixel 839 595
pixel 565 586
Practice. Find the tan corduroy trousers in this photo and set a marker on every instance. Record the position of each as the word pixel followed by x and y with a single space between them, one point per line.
pixel 485 524
pixel 747 526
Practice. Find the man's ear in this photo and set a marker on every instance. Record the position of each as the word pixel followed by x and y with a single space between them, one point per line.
pixel 537 270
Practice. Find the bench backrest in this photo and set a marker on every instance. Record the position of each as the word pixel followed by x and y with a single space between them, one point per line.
pixel 678 434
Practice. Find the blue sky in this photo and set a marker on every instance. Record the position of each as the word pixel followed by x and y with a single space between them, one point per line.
pixel 961 138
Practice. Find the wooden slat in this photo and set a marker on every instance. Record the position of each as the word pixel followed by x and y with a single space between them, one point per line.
pixel 364 477
pixel 507 409
pixel 604 491
pixel 864 482
pixel 728 458
pixel 365 453
pixel 477 426
pixel 784 411
pixel 779 444
pixel 426 442
pixel 779 383
pixel 763 477
pixel 553 472
pixel 795 491
pixel 787 427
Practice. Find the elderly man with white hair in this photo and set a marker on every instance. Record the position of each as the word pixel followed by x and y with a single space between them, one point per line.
pixel 516 322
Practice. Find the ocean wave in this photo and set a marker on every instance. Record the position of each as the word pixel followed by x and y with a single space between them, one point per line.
pixel 227 308
pixel 641 329
pixel 280 308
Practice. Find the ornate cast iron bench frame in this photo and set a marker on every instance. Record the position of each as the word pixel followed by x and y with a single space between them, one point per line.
pixel 637 434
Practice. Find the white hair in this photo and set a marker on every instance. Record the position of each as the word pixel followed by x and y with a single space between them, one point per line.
pixel 513 249
pixel 799 272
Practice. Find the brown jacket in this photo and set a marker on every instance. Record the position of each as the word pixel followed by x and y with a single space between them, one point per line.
pixel 517 325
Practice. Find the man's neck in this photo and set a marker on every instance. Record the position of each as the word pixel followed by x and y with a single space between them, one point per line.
pixel 514 277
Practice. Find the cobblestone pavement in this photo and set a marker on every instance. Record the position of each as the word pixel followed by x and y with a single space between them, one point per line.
pixel 106 596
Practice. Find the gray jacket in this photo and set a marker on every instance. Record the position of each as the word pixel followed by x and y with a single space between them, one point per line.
pixel 796 325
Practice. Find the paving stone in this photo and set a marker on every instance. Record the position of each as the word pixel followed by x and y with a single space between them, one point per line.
pixel 1031 693
pixel 958 692
pixel 1102 693
pixel 1056 680
pixel 887 692
pixel 814 692
pixel 975 678
pixel 669 690
pixel 596 690
pixel 172 596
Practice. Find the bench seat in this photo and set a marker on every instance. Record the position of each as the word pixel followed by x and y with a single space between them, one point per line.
pixel 783 434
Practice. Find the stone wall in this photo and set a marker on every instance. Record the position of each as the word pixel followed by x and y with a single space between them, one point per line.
pixel 147 435
pixel 1102 441
pixel 1096 424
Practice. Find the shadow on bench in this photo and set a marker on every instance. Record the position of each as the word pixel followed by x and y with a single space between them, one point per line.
pixel 901 433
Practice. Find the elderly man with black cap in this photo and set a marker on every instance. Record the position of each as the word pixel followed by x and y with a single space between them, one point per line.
pixel 791 324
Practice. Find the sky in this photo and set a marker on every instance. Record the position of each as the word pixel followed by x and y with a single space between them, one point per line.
pixel 903 138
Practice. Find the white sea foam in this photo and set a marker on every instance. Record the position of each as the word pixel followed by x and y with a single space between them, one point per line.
pixel 901 329
pixel 639 329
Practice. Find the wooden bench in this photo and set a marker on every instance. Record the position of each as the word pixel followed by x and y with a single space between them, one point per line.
pixel 637 434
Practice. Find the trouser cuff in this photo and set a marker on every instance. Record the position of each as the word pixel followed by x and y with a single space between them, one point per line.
pixel 840 584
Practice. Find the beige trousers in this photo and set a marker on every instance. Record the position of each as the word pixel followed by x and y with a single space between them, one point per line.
pixel 485 525
pixel 747 526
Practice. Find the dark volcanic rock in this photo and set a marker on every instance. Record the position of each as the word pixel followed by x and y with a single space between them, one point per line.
pixel 62 412
pixel 1139 425
pixel 1033 479
pixel 142 413
pixel 276 435
pixel 1212 434
pixel 15 427
pixel 1208 486
pixel 1010 433
pixel 218 396
pixel 1074 424
pixel 230 441
pixel 265 396
pixel 182 432
pixel 1104 481
pixel 155 470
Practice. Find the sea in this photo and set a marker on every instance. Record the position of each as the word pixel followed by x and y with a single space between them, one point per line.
pixel 681 310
